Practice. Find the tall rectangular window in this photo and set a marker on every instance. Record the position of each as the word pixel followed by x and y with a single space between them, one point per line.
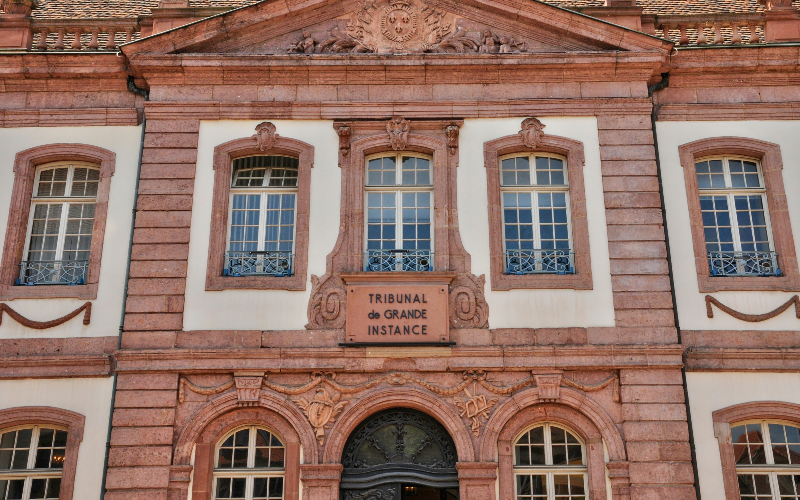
pixel 60 227
pixel 262 216
pixel 399 205
pixel 733 204
pixel 536 232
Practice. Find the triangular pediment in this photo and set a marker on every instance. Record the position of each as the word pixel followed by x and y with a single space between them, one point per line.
pixel 275 27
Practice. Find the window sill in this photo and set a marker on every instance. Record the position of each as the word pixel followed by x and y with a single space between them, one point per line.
pixel 295 283
pixel 749 284
pixel 84 292
pixel 505 282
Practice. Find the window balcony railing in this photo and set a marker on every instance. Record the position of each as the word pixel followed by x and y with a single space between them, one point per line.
pixel 278 264
pixel 743 264
pixel 53 272
pixel 398 260
pixel 540 261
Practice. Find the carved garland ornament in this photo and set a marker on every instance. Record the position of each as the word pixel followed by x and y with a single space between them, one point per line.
pixel 323 408
pixel 44 325
pixel 752 318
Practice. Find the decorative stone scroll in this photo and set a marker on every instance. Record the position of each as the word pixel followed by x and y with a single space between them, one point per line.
pixel 344 133
pixel 452 131
pixel 44 325
pixel 752 318
pixel 468 306
pixel 265 136
pixel 327 307
pixel 325 405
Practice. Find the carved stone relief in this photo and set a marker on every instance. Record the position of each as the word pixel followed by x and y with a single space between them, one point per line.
pixel 324 406
pixel 532 133
pixel 398 129
pixel 451 131
pixel 468 307
pixel 265 136
pixel 403 26
pixel 327 307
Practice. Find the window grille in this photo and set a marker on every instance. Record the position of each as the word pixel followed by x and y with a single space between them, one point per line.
pixel 249 465
pixel 733 203
pixel 61 223
pixel 767 460
pixel 399 204
pixel 262 216
pixel 536 229
pixel 550 464
pixel 31 463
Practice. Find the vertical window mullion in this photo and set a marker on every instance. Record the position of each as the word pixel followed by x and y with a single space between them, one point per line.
pixel 251 448
pixel 774 486
pixel 737 242
pixel 767 443
pixel 399 241
pixel 32 448
pixel 62 231
pixel 262 219
pixel 726 172
pixel 537 230
pixel 548 446
pixel 551 487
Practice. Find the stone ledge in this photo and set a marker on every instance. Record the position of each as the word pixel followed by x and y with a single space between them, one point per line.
pixel 28 367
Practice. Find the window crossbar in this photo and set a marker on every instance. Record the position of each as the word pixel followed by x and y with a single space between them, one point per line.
pixel 53 272
pixel 743 264
pixel 398 260
pixel 260 263
pixel 540 261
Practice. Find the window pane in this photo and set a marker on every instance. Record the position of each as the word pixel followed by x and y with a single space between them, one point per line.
pixel 716 223
pixel 382 171
pixel 45 227
pixel 752 223
pixel 553 228
pixel 276 488
pixel 515 171
pixel 380 220
pixel 518 221
pixel 755 487
pixel 748 444
pixel 710 174
pixel 260 488
pixel 416 171
pixel 244 222
pixel 416 220
pixel 85 182
pixel 223 487
pixel 277 458
pixel 53 182
pixel 789 486
pixel 38 488
pixel 15 489
pixel 279 234
pixel 531 486
pixel 549 172
pixel 78 236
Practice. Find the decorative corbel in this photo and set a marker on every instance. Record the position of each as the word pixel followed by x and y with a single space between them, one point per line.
pixel 265 136
pixel 549 386
pixel 620 478
pixel 248 387
pixel 452 137
pixel 398 129
pixel 532 133
pixel 344 132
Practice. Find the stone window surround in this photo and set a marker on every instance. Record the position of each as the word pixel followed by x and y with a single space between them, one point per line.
pixel 206 445
pixel 224 155
pixel 579 226
pixel 772 166
pixel 45 415
pixel 756 410
pixel 25 166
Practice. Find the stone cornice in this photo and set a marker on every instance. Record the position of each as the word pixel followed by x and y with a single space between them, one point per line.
pixel 369 360
pixel 68 65
pixel 76 366
pixel 733 359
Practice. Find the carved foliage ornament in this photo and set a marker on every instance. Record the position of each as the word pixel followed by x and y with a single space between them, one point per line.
pixel 398 129
pixel 321 411
pixel 344 139
pixel 265 136
pixel 532 133
pixel 452 138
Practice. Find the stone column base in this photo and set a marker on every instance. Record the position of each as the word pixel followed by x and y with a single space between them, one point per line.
pixel 477 480
pixel 320 482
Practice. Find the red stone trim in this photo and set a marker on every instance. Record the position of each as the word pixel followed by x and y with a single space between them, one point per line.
pixel 728 359
pixel 25 172
pixel 729 112
pixel 87 117
pixel 559 414
pixel 224 155
pixel 67 366
pixel 44 325
pixel 766 410
pixel 573 151
pixel 45 415
pixel 752 318
pixel 772 165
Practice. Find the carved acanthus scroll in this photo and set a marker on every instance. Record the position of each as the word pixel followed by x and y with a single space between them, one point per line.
pixel 326 309
pixel 86 309
pixel 468 307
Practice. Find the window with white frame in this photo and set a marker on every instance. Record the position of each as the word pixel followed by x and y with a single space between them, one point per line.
pixel 399 206
pixel 31 462
pixel 61 222
pixel 733 203
pixel 767 460
pixel 549 464
pixel 249 465
pixel 262 216
pixel 536 230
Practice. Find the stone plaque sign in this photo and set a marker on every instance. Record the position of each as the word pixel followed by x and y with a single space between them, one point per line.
pixel 401 313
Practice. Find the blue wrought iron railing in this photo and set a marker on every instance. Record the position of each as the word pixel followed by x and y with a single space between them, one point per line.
pixel 540 261
pixel 53 272
pixel 398 260
pixel 278 264
pixel 743 264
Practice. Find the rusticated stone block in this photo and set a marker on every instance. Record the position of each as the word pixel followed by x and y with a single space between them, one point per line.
pixel 637 250
pixel 652 394
pixel 160 252
pixel 168 171
pixel 171 140
pixel 136 495
pixel 164 202
pixel 155 304
pixel 653 412
pixel 629 167
pixel 650 377
pixel 161 235
pixel 624 122
pixel 513 336
pixel 151 286
pixel 640 283
pixel 167 155
pixel 659 452
pixel 671 473
pixel 218 339
pixel 642 300
pixel 656 431
pixel 145 399
pixel 625 216
pixel 632 200
pixel 632 183
pixel 153 321
pixel 561 336
pixel 625 137
pixel 118 478
pixel 148 340
pixel 639 266
pixel 139 455
pixel 639 232
pixel 163 219
pixel 158 269
pixel 141 436
pixel 147 381
pixel 645 317
pixel 166 186
pixel 663 492
pixel 172 126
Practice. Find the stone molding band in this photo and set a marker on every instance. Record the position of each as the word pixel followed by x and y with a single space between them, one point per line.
pixel 86 308
pixel 752 318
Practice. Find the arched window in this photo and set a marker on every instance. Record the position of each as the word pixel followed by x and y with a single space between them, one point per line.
pixel 31 462
pixel 550 464
pixel 767 455
pixel 733 203
pixel 536 219
pixel 61 222
pixel 399 207
pixel 263 201
pixel 249 465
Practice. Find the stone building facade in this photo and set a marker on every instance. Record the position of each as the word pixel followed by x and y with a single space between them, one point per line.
pixel 399 249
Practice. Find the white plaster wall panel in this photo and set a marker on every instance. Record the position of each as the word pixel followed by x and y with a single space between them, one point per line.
pixel 89 397
pixel 690 302
pixel 544 308
pixel 261 309
pixel 107 308
pixel 709 392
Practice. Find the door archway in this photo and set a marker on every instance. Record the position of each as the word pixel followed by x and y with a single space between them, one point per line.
pixel 399 454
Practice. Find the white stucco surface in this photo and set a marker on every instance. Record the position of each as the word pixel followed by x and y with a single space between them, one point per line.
pixel 535 308
pixel 691 303
pixel 261 309
pixel 709 392
pixel 107 308
pixel 89 397
pixel 284 310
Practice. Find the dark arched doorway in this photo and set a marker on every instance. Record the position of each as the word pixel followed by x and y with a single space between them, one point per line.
pixel 399 454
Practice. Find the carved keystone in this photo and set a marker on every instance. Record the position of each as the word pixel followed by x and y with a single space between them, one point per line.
pixel 265 136
pixel 398 129
pixel 248 387
pixel 549 386
pixel 532 133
